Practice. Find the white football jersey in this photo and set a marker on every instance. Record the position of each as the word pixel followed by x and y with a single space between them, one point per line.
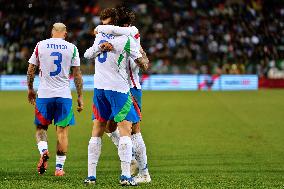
pixel 133 69
pixel 111 68
pixel 134 33
pixel 54 56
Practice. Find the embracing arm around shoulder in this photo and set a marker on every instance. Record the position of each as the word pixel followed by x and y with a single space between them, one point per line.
pixel 116 30
pixel 96 49
pixel 92 52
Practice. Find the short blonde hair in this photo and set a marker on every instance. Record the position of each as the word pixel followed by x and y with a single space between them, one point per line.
pixel 59 27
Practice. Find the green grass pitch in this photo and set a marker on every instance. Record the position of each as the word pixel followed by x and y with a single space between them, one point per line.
pixel 194 140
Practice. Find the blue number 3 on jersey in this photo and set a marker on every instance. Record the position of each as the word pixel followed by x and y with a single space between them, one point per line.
pixel 57 63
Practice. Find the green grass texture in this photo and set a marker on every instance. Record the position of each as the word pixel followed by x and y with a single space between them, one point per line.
pixel 231 139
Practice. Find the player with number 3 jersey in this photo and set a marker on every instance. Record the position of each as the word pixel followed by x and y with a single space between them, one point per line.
pixel 54 57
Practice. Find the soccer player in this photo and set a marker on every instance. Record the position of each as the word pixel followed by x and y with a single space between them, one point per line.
pixel 126 18
pixel 112 99
pixel 53 101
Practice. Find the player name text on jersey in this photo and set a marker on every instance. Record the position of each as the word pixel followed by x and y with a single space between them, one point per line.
pixel 54 46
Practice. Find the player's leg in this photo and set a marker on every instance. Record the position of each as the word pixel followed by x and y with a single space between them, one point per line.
pixel 43 117
pixel 112 132
pixel 124 114
pixel 136 95
pixel 94 150
pixel 61 149
pixel 63 118
pixel 101 113
pixel 41 138
pixel 139 148
pixel 125 152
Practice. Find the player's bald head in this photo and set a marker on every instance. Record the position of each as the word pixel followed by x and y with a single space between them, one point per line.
pixel 59 27
pixel 59 30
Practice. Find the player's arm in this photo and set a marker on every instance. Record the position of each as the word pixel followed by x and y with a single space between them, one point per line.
pixel 138 55
pixel 30 82
pixel 116 30
pixel 143 61
pixel 92 52
pixel 33 64
pixel 96 49
pixel 78 80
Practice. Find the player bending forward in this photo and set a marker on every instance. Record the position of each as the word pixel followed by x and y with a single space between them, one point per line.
pixel 54 57
pixel 126 18
pixel 112 98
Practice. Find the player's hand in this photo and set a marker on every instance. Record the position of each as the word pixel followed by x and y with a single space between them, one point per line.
pixel 106 46
pixel 80 104
pixel 141 50
pixel 95 31
pixel 31 96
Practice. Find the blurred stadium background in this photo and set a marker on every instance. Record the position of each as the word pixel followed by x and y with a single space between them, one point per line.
pixel 180 37
pixel 231 139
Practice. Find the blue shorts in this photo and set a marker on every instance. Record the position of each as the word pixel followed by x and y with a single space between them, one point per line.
pixel 57 109
pixel 137 96
pixel 112 105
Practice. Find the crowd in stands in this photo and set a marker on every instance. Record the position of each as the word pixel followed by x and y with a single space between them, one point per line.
pixel 180 37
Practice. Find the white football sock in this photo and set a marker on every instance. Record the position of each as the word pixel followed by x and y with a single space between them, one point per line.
pixel 133 154
pixel 94 152
pixel 42 146
pixel 140 153
pixel 60 160
pixel 125 154
pixel 114 137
